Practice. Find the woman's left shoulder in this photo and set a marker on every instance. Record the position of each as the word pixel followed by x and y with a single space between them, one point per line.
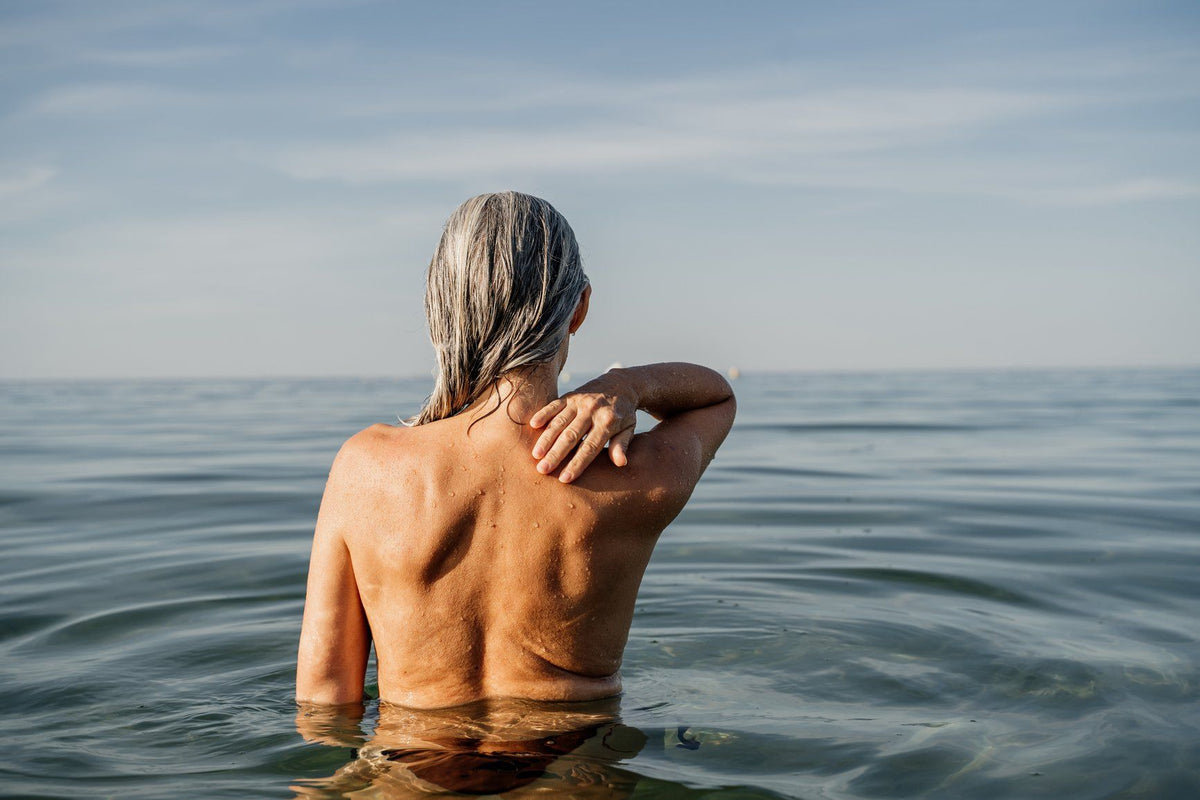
pixel 366 449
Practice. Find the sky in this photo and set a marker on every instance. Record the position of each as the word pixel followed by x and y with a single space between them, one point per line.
pixel 254 188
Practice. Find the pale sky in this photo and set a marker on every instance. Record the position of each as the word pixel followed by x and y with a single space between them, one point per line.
pixel 255 187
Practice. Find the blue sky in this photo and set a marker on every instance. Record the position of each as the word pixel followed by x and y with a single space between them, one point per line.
pixel 254 188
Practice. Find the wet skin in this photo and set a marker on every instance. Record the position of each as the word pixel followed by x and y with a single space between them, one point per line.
pixel 479 571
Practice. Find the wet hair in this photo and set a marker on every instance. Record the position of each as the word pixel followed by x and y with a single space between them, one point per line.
pixel 501 289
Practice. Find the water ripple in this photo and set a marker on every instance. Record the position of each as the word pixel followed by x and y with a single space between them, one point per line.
pixel 948 585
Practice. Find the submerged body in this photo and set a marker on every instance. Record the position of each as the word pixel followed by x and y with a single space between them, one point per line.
pixel 476 575
pixel 517 748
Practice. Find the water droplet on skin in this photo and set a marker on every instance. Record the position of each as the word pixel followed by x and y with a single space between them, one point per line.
pixel 536 525
pixel 452 494
pixel 570 505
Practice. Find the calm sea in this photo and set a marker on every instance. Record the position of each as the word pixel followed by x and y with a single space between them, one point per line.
pixel 975 584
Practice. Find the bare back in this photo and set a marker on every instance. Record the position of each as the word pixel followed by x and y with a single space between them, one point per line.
pixel 481 577
pixel 477 577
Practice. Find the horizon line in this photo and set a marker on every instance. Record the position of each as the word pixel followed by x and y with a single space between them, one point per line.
pixel 742 373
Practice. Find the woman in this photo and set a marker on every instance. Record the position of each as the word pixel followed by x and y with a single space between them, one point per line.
pixel 485 550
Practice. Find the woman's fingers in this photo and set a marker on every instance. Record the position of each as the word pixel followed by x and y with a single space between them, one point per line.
pixel 554 428
pixel 618 448
pixel 591 446
pixel 585 454
pixel 569 439
pixel 547 413
pixel 577 427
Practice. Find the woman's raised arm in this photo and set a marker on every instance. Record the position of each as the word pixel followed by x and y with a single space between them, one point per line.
pixel 603 412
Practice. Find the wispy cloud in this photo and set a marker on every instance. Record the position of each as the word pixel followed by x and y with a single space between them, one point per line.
pixel 910 141
pixel 712 126
pixel 1130 191
pixel 1027 184
pixel 51 29
pixel 28 191
pixel 101 98
pixel 155 57
pixel 243 259
pixel 16 183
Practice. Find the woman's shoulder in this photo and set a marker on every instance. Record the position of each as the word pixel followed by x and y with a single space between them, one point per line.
pixel 372 447
pixel 372 439
pixel 653 485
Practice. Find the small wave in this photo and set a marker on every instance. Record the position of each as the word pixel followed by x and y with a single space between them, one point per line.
pixel 796 472
pixel 861 427
pixel 163 477
pixel 953 584
pixel 9 498
pixel 137 621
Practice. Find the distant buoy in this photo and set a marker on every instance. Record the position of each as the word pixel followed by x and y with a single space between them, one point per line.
pixel 734 373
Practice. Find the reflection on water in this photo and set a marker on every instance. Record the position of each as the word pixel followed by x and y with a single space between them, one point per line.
pixel 511 747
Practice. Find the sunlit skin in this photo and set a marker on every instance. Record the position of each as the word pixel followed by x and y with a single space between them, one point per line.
pixel 491 554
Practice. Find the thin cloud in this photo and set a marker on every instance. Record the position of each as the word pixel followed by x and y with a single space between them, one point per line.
pixel 661 129
pixel 212 248
pixel 16 183
pixel 157 57
pixel 1017 180
pixel 104 98
pixel 47 27
pixel 1132 191
pixel 493 153
pixel 28 191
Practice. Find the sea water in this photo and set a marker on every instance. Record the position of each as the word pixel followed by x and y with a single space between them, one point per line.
pixel 957 584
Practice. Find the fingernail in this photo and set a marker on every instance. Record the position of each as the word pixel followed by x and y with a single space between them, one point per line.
pixel 566 477
pixel 543 467
pixel 538 452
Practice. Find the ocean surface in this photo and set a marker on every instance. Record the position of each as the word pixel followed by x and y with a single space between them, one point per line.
pixel 954 584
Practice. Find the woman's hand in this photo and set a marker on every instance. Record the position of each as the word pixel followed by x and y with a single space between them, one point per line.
pixel 601 412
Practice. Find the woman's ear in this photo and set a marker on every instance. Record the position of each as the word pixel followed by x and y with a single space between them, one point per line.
pixel 581 310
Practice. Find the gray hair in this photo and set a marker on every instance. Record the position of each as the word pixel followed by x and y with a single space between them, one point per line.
pixel 502 286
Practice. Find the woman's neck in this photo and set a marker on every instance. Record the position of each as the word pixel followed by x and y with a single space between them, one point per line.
pixel 522 393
